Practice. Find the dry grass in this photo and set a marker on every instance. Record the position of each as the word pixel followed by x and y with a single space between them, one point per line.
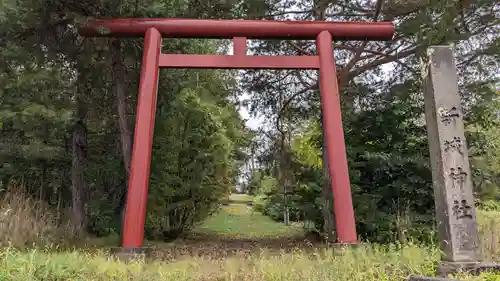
pixel 25 222
pixel 489 229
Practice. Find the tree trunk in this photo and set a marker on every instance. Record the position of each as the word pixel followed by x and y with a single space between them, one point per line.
pixel 78 181
pixel 286 212
pixel 283 177
pixel 328 216
pixel 119 84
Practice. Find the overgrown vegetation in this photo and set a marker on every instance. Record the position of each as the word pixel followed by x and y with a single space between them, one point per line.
pixel 371 264
pixel 251 255
pixel 67 112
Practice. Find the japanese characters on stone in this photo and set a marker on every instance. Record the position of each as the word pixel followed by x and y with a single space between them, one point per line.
pixel 449 159
pixel 448 116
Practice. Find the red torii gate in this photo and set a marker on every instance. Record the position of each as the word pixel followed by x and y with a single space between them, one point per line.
pixel 239 31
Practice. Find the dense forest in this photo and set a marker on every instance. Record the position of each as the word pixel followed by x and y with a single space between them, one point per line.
pixel 67 114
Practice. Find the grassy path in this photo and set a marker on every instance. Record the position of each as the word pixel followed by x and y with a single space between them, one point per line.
pixel 238 220
pixel 235 230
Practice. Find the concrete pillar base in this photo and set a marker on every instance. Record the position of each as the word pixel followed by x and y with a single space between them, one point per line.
pixel 423 278
pixel 474 268
pixel 337 245
pixel 444 269
pixel 133 253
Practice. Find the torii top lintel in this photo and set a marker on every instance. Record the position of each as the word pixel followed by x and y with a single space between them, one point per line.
pixel 251 29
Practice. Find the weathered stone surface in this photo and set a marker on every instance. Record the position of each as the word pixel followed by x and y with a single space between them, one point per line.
pixel 423 278
pixel 451 175
pixel 446 268
pixel 484 267
pixel 129 254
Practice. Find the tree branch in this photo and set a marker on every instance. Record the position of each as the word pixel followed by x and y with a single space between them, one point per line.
pixel 301 51
pixel 381 61
pixel 376 53
pixel 345 71
pixel 34 30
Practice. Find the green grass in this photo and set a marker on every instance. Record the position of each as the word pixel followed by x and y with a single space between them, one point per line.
pixel 240 198
pixel 238 244
pixel 240 221
pixel 370 263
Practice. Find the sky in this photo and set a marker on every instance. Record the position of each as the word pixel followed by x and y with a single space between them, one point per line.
pixel 252 122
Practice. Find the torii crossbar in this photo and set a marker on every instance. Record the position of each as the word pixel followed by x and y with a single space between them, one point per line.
pixel 239 30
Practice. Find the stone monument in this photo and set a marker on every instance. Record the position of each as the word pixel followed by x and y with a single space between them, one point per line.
pixel 451 175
